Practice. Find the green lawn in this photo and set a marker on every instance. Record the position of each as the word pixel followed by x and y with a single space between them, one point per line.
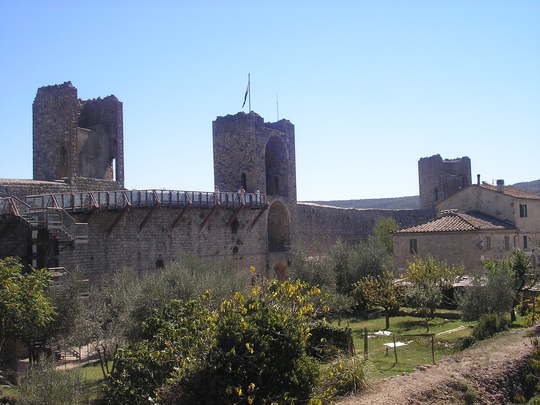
pixel 418 348
pixel 92 377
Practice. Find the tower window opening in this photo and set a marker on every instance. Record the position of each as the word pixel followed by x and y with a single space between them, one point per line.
pixel 277 167
pixel 243 181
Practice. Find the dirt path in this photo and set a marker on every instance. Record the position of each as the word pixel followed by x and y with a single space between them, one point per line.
pixel 492 369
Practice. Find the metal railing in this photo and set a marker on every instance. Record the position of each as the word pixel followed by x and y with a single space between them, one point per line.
pixel 53 218
pixel 84 201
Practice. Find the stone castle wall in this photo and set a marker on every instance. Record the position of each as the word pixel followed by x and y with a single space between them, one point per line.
pixel 319 227
pixel 79 143
pixel 142 239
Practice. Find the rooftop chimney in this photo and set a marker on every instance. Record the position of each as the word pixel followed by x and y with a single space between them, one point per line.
pixel 500 186
pixel 478 179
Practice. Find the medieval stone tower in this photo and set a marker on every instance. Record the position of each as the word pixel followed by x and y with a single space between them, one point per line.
pixel 258 155
pixel 439 178
pixel 77 138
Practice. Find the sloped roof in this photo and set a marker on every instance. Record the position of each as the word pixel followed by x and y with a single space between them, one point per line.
pixel 455 221
pixel 512 191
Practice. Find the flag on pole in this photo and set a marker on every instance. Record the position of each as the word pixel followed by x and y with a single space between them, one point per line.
pixel 247 92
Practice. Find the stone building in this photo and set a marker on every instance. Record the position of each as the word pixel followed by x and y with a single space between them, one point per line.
pixel 77 138
pixel 75 213
pixel 439 179
pixel 480 221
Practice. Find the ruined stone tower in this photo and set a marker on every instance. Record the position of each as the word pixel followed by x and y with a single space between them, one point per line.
pixel 77 138
pixel 439 178
pixel 258 155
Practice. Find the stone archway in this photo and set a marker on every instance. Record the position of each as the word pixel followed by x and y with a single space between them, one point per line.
pixel 278 228
pixel 277 167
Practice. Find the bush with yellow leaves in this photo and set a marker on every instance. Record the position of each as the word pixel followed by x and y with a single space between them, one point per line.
pixel 260 354
pixel 249 349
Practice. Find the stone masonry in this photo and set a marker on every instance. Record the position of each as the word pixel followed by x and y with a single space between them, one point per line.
pixel 439 179
pixel 75 145
pixel 77 138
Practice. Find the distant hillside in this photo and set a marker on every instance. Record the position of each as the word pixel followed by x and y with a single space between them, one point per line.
pixel 410 202
pixel 530 186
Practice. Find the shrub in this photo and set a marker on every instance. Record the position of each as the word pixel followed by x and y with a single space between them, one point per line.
pixel 339 305
pixel 178 334
pixel 344 376
pixel 470 395
pixel 344 265
pixel 186 280
pixel 45 385
pixel 383 229
pixel 260 353
pixel 326 341
pixel 252 348
pixel 489 324
pixel 531 310
pixel 466 342
pixel 352 263
pixel 315 270
pixel 490 294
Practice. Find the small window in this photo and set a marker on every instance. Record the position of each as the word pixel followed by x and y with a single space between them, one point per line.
pixel 488 242
pixel 523 210
pixel 276 184
pixel 243 180
pixel 538 243
pixel 525 244
pixel 234 226
pixel 413 246
pixel 436 193
pixel 507 242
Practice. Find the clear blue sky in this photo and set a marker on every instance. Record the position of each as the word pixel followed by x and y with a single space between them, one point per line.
pixel 371 86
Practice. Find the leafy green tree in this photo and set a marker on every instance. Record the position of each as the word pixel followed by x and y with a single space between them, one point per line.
pixel 383 229
pixel 428 277
pixel 425 297
pixel 66 294
pixel 353 262
pixel 25 308
pixel 380 291
pixel 429 269
pixel 177 336
pixel 106 318
pixel 489 293
pixel 518 276
pixel 524 277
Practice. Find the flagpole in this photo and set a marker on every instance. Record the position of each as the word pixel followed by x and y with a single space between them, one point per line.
pixel 249 90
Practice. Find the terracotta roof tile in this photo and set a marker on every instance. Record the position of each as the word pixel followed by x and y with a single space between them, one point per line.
pixel 455 221
pixel 513 191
